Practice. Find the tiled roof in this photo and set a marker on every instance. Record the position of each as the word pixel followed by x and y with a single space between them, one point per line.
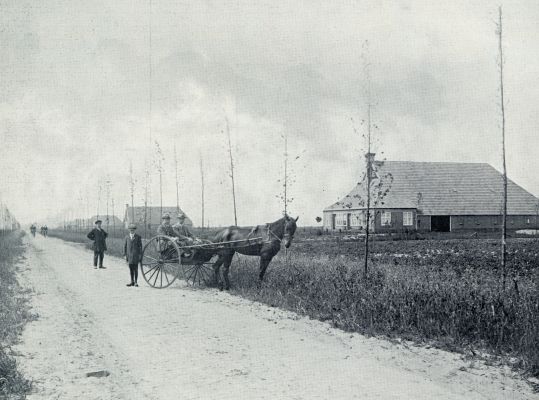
pixel 113 219
pixel 441 188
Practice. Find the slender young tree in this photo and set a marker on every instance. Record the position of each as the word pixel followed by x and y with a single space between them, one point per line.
pixel 499 33
pixel 132 191
pixel 285 184
pixel 107 191
pixel 202 190
pixel 113 216
pixel 177 179
pixel 99 189
pixel 159 165
pixel 146 199
pixel 369 180
pixel 375 185
pixel 231 169
pixel 288 174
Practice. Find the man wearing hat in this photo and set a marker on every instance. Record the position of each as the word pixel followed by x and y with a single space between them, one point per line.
pixel 181 230
pixel 99 237
pixel 133 253
pixel 165 228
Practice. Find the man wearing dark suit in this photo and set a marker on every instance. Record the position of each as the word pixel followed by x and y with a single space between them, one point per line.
pixel 99 237
pixel 133 253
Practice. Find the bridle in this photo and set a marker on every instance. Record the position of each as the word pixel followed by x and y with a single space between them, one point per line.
pixel 286 235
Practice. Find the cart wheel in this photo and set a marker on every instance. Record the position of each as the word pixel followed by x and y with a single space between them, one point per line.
pixel 160 261
pixel 200 274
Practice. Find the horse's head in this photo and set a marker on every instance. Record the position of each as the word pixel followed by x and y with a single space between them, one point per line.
pixel 289 230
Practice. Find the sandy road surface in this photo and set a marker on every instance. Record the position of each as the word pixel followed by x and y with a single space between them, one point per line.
pixel 179 343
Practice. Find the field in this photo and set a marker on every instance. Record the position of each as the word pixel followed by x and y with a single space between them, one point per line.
pixel 447 293
pixel 14 312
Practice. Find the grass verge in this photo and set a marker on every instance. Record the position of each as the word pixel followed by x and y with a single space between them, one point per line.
pixel 14 313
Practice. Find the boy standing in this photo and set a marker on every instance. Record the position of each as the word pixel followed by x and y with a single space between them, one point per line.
pixel 133 253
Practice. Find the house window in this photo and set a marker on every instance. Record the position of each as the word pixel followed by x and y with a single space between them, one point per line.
pixel 407 218
pixel 386 218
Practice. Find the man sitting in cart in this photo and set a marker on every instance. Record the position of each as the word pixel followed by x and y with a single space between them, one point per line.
pixel 184 235
pixel 181 236
pixel 165 228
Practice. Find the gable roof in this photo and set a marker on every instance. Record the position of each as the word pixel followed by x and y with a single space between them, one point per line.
pixel 443 188
pixel 153 215
pixel 113 219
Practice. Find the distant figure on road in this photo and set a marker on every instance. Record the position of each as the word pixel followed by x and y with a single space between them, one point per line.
pixel 99 237
pixel 46 230
pixel 33 230
pixel 133 253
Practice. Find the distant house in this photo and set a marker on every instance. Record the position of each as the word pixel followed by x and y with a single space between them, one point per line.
pixel 150 217
pixel 436 196
pixel 7 221
pixel 108 220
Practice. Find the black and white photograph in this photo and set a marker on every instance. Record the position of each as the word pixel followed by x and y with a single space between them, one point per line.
pixel 285 199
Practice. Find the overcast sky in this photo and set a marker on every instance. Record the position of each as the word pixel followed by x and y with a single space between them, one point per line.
pixel 85 89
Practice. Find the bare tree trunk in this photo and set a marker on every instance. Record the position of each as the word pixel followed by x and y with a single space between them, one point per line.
pixel 231 170
pixel 285 184
pixel 369 177
pixel 202 190
pixel 177 180
pixel 132 189
pixel 160 160
pixel 98 197
pixel 504 216
pixel 113 217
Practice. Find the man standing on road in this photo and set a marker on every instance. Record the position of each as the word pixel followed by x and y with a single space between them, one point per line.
pixel 99 237
pixel 133 253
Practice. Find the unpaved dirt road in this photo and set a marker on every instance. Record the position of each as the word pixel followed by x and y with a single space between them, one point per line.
pixel 180 343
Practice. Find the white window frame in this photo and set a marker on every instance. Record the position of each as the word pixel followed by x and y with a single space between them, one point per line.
pixel 407 218
pixel 385 218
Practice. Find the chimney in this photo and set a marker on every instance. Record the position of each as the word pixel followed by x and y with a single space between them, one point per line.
pixel 370 161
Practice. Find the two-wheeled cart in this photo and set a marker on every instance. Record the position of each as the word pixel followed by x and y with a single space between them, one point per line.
pixel 164 260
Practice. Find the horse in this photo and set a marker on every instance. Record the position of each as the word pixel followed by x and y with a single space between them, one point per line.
pixel 263 241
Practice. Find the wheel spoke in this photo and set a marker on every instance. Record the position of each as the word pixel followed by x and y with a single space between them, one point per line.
pixel 153 273
pixel 192 272
pixel 156 276
pixel 166 277
pixel 151 258
pixel 150 270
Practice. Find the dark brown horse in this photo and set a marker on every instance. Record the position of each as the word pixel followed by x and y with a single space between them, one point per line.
pixel 263 241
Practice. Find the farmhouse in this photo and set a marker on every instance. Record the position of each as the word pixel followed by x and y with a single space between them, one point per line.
pixel 150 217
pixel 7 221
pixel 434 196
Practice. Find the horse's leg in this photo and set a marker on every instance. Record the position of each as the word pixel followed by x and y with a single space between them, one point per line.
pixel 264 262
pixel 216 270
pixel 228 261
